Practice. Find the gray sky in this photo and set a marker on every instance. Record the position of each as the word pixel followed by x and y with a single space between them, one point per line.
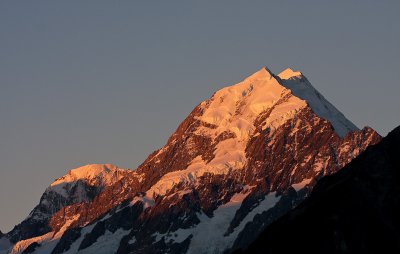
pixel 96 82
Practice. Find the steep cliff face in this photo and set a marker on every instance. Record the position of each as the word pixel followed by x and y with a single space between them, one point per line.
pixel 353 211
pixel 239 161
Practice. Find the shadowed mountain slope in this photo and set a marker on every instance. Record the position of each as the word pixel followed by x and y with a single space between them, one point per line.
pixel 355 210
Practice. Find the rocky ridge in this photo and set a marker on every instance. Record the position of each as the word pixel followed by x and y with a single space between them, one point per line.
pixel 353 211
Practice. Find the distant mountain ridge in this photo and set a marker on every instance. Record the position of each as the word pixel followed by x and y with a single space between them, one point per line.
pixel 238 162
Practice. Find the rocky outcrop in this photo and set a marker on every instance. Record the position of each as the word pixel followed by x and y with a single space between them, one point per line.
pixel 353 211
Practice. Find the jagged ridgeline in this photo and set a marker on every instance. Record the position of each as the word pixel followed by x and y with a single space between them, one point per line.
pixel 238 162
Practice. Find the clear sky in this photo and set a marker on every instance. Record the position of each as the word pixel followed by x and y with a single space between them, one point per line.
pixel 108 82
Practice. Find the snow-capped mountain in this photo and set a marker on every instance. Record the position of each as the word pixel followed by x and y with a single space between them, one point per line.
pixel 239 161
pixel 79 185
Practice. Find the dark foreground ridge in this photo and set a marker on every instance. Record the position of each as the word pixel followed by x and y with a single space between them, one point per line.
pixel 355 210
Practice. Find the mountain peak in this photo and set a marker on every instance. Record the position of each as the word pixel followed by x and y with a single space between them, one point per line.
pixel 92 169
pixel 263 73
pixel 92 174
pixel 87 172
pixel 289 73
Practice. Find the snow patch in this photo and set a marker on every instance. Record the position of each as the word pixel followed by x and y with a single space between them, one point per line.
pixel 107 243
pixel 302 184
pixel 20 246
pixel 132 240
pixel 75 246
pixel 146 200
pixel 289 73
pixel 208 235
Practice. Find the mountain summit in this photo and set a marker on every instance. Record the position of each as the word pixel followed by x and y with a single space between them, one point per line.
pixel 238 162
pixel 289 73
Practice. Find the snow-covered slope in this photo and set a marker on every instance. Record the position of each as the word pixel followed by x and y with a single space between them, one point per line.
pixel 302 88
pixel 239 161
pixel 99 175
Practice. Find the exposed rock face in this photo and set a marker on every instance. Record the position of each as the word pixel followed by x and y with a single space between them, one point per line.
pixel 353 211
pixel 79 185
pixel 238 162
